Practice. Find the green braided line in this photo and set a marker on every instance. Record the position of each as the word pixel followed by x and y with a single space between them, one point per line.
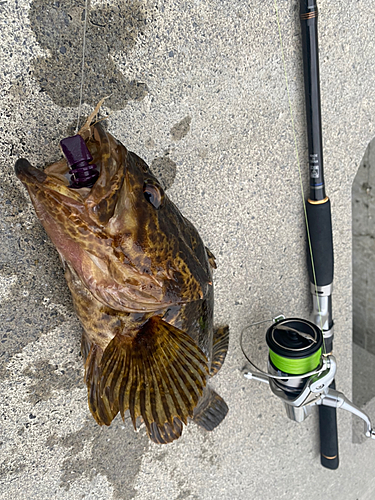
pixel 295 366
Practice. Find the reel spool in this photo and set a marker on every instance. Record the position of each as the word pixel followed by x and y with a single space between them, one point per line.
pixel 299 372
pixel 295 349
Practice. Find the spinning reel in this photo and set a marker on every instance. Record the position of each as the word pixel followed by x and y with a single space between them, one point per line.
pixel 299 372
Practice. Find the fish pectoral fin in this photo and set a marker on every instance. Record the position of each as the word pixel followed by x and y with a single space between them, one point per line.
pixel 211 410
pixel 163 434
pixel 158 375
pixel 219 348
pixel 211 258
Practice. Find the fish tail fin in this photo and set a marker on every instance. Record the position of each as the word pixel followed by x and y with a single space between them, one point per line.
pixel 211 410
pixel 219 348
pixel 158 375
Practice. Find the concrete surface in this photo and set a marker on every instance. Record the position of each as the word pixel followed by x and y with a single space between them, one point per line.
pixel 198 91
pixel 364 252
pixel 363 388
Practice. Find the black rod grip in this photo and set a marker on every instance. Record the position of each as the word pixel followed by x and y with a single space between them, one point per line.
pixel 320 230
pixel 329 448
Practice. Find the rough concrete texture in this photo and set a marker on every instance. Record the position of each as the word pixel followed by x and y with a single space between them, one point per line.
pixel 363 252
pixel 363 288
pixel 198 91
pixel 364 362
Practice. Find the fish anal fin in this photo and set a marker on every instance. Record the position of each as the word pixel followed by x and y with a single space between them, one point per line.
pixel 219 348
pixel 100 411
pixel 85 345
pixel 159 375
pixel 211 410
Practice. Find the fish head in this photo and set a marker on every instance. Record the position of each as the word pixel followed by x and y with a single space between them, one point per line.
pixel 124 238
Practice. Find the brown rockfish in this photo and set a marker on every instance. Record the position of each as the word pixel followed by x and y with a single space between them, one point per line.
pixel 141 282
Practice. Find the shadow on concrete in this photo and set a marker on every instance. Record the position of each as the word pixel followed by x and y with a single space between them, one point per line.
pixel 116 453
pixel 363 210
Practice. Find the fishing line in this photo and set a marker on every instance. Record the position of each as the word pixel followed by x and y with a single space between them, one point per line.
pixel 83 65
pixel 299 165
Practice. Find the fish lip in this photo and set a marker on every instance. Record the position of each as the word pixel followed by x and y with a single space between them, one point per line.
pixel 37 181
pixel 26 172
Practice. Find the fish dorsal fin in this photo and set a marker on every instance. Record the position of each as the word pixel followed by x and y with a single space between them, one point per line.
pixel 211 258
pixel 158 375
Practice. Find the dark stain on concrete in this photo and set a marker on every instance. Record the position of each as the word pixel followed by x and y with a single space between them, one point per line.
pixel 183 495
pixel 164 170
pixel 48 377
pixel 181 128
pixel 13 465
pixel 58 27
pixel 150 143
pixel 116 453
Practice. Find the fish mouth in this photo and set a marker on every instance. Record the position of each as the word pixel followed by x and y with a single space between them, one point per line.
pixel 48 189
pixel 26 172
pixel 51 188
pixel 53 196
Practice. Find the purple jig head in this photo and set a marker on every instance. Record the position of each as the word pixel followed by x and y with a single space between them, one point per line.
pixel 78 157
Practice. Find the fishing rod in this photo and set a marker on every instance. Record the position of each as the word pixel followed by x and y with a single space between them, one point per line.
pixel 301 368
pixel 319 223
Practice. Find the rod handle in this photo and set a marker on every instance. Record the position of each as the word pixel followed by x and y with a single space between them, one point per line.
pixel 329 448
pixel 320 229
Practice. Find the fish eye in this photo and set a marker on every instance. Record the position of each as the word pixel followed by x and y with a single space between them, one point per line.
pixel 153 194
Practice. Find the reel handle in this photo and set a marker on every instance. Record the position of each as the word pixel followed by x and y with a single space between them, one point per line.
pixel 329 446
pixel 319 390
pixel 336 399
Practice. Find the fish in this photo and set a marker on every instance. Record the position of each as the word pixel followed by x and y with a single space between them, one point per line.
pixel 141 281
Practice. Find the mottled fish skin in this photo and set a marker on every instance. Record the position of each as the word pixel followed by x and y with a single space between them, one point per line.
pixel 141 282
